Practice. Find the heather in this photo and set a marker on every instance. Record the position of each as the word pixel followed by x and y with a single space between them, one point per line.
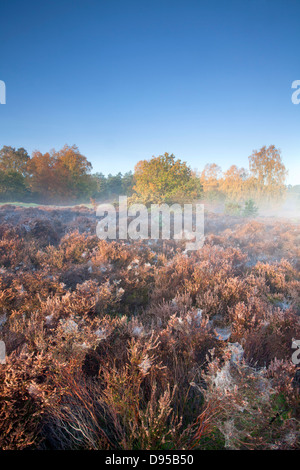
pixel 140 345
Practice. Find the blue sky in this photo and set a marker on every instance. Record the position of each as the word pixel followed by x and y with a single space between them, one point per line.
pixel 124 80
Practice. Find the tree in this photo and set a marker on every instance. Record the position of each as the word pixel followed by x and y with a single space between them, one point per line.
pixel 72 170
pixel 13 169
pixel 100 185
pixel 12 186
pixel 15 160
pixel 62 176
pixel 210 179
pixel 233 183
pixel 127 183
pixel 165 179
pixel 267 173
pixel 41 176
pixel 114 184
pixel 250 209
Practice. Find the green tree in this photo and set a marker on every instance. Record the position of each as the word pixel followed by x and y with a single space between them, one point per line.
pixel 114 184
pixel 127 183
pixel 12 186
pixel 14 160
pixel 99 185
pixel 250 209
pixel 165 179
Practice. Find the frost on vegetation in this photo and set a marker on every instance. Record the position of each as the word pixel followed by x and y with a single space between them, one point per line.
pixel 222 334
pixel 223 380
pixel 145 365
pixel 101 333
pixel 69 326
pixel 49 319
pixel 3 319
pixel 135 332
pixel 237 353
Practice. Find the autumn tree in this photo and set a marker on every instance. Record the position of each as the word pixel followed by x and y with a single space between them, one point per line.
pixel 60 175
pixel 41 175
pixel 165 179
pixel 72 171
pixel 233 183
pixel 14 160
pixel 267 174
pixel 210 179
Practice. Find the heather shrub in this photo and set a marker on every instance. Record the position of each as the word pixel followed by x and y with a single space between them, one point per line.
pixel 142 345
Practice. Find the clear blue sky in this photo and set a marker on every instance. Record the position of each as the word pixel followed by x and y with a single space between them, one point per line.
pixel 124 80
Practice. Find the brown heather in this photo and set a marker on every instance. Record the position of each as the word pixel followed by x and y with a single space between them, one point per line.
pixel 113 345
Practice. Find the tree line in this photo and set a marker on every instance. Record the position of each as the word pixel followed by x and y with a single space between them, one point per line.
pixel 62 176
pixel 65 176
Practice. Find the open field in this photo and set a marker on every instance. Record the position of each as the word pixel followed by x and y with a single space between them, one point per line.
pixel 138 345
pixel 33 204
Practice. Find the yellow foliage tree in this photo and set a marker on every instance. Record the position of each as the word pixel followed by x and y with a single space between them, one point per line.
pixel 267 174
pixel 233 183
pixel 210 179
pixel 165 179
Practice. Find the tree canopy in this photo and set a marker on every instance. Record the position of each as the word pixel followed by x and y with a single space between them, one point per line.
pixel 264 181
pixel 14 160
pixel 268 173
pixel 64 176
pixel 165 179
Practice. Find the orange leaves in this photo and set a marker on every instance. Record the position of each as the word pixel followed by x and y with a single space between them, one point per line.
pixel 59 175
